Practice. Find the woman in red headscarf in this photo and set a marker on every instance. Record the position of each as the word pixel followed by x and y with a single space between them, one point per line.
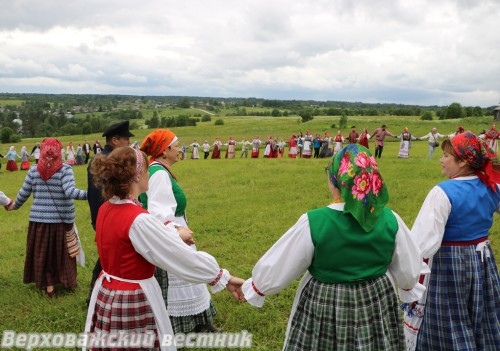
pixel 189 304
pixel 52 213
pixel 461 308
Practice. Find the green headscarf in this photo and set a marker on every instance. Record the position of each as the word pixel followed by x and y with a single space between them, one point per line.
pixel 355 172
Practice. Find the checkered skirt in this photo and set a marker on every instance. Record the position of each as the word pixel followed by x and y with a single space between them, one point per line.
pixel 362 316
pixel 123 311
pixel 47 258
pixel 462 311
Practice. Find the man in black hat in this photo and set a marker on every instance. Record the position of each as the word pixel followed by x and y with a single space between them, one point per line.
pixel 117 135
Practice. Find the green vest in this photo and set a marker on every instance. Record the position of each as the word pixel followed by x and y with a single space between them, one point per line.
pixel 179 196
pixel 344 252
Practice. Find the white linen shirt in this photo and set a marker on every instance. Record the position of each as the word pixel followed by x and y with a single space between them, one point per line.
pixel 292 255
pixel 161 200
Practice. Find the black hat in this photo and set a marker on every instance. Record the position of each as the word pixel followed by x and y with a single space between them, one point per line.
pixel 118 129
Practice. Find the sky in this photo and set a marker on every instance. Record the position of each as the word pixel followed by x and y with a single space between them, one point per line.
pixel 418 52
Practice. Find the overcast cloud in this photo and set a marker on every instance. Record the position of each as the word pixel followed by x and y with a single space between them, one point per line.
pixel 423 52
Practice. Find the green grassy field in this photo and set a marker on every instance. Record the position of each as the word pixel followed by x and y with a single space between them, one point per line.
pixel 237 208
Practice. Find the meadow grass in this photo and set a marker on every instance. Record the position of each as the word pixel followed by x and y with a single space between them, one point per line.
pixel 237 209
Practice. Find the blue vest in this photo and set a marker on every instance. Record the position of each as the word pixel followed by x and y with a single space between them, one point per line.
pixel 472 208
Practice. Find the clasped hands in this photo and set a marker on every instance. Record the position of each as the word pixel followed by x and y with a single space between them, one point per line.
pixel 234 284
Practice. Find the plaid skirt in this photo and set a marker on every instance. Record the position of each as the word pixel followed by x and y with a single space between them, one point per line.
pixel 184 324
pixel 47 258
pixel 462 309
pixel 124 312
pixel 362 316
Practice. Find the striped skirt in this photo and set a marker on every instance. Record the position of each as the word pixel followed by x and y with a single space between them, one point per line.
pixel 363 316
pixel 124 312
pixel 47 258
pixel 462 311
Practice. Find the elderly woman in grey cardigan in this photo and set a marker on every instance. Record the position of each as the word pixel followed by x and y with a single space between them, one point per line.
pixel 52 213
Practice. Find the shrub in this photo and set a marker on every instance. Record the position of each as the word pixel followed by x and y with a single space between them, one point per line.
pixel 219 122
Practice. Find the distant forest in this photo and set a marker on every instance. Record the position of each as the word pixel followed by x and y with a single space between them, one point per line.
pixel 43 115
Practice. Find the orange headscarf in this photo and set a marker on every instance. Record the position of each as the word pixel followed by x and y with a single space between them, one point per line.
pixel 157 141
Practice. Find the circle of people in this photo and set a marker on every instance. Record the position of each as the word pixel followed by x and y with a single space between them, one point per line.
pixel 307 146
pixel 150 272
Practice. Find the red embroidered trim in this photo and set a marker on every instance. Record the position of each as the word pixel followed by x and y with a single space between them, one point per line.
pixel 257 290
pixel 216 280
pixel 167 222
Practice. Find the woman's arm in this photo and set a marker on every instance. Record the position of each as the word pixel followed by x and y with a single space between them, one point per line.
pixel 162 246
pixel 428 228
pixel 284 262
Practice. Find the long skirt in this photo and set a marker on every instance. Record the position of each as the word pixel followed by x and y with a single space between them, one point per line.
pixel 47 258
pixel 362 316
pixel 231 151
pixel 463 298
pixel 255 152
pixel 25 165
pixel 307 152
pixel 404 148
pixel 124 311
pixel 216 152
pixel 194 154
pixel 11 166
pixel 292 152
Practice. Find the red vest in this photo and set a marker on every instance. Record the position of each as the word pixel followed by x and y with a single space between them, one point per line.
pixel 116 252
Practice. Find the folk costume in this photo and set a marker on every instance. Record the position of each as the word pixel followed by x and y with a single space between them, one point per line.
pixel 11 156
pixel 380 134
pixel 52 213
pixel 217 146
pixel 308 145
pixel 70 154
pixel 292 147
pixel 255 147
pixel 363 139
pixel 405 145
pixel 460 310
pixel 353 136
pixel 126 297
pixel 231 148
pixel 345 299
pixel 268 149
pixel 492 137
pixel 25 159
pixel 189 304
pixel 195 155
pixel 338 141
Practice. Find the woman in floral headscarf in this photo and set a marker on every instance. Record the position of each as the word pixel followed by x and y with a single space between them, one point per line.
pixel 463 298
pixel 52 213
pixel 345 300
pixel 189 304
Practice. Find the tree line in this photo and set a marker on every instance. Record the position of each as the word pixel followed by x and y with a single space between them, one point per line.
pixel 44 115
